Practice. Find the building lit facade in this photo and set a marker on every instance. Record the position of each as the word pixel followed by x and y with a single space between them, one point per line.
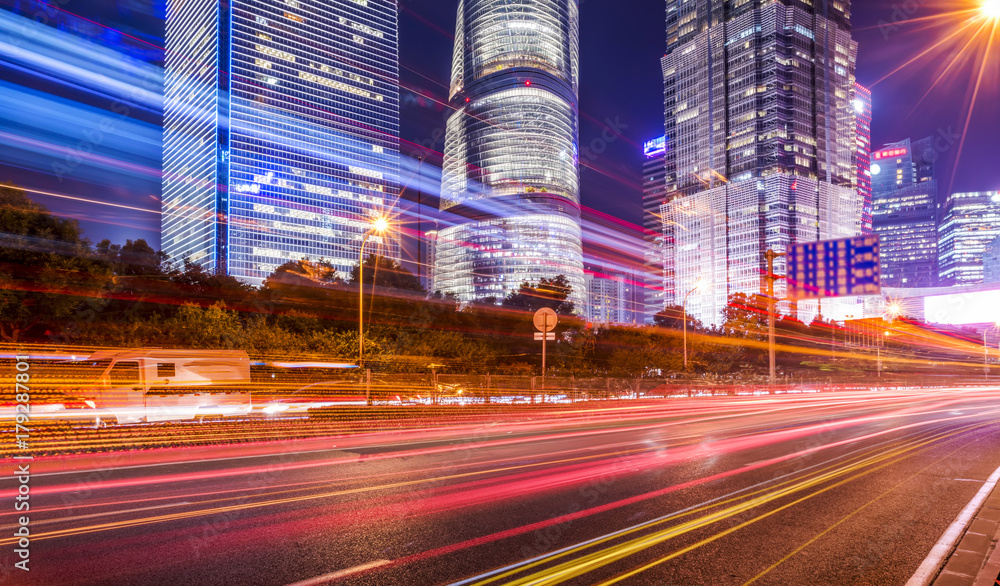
pixel 970 222
pixel 613 298
pixel 759 107
pixel 863 153
pixel 281 125
pixel 510 173
pixel 991 262
pixel 905 212
pixel 657 235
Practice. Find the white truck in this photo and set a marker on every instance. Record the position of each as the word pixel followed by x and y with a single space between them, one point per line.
pixel 154 384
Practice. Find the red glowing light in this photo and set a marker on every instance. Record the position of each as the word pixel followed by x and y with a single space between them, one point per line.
pixel 528 83
pixel 890 153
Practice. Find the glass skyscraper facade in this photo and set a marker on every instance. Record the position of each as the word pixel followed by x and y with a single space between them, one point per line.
pixel 969 226
pixel 510 173
pixel 759 108
pixel 281 125
pixel 905 212
pixel 657 235
pixel 863 135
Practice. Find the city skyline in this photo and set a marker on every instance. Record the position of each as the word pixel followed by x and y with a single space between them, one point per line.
pixel 604 96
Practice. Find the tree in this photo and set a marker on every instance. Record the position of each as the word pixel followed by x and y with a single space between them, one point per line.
pixel 387 273
pixel 195 281
pixel 672 317
pixel 305 273
pixel 133 259
pixel 49 275
pixel 745 316
pixel 551 293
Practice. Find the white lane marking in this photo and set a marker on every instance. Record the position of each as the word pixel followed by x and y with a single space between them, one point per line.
pixel 929 569
pixel 340 574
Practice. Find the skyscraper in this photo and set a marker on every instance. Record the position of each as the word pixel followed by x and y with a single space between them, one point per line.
pixel 905 212
pixel 969 224
pixel 758 104
pixel 510 164
pixel 281 124
pixel 863 168
pixel 658 235
pixel 612 298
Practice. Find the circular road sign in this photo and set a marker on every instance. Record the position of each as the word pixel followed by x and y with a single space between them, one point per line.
pixel 545 319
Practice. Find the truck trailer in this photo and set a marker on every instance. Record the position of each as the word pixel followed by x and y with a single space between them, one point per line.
pixel 155 384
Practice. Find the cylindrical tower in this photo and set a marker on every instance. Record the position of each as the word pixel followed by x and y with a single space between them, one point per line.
pixel 510 162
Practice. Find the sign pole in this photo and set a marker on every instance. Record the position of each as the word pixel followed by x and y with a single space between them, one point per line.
pixel 545 328
pixel 770 255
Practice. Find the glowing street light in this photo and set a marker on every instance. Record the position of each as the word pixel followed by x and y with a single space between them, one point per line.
pixel 990 9
pixel 684 317
pixel 379 226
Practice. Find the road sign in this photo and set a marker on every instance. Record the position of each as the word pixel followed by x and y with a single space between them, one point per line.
pixel 551 336
pixel 834 268
pixel 545 320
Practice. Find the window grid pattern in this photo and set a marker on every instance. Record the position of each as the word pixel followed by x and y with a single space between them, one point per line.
pixel 511 149
pixel 308 131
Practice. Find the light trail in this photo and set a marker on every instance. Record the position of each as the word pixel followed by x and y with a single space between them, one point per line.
pixel 582 565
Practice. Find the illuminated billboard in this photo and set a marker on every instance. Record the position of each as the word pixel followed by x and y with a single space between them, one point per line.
pixel 654 147
pixel 888 154
pixel 963 308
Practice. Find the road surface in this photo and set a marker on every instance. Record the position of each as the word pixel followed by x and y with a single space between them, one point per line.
pixel 834 488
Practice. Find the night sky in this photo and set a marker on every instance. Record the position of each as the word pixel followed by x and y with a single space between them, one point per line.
pixel 620 86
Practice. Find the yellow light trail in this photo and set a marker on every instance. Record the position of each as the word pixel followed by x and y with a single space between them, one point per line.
pixel 580 566
pixel 851 516
pixel 85 200
pixel 781 508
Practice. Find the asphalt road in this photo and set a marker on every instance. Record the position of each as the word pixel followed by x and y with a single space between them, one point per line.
pixel 839 488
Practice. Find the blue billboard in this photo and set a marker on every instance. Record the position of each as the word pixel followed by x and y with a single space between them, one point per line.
pixel 834 268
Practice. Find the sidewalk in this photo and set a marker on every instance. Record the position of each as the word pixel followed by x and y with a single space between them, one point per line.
pixel 976 559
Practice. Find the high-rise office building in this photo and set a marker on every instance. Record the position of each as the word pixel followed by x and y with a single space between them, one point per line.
pixel 758 105
pixel 281 125
pixel 612 298
pixel 510 171
pixel 863 153
pixel 991 261
pixel 658 235
pixel 970 222
pixel 905 212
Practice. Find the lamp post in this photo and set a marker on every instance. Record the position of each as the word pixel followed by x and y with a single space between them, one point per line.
pixel 379 226
pixel 685 319
pixel 986 350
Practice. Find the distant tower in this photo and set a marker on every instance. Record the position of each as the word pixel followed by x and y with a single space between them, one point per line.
pixel 280 133
pixel 758 108
pixel 658 235
pixel 905 214
pixel 970 224
pixel 510 163
pixel 863 168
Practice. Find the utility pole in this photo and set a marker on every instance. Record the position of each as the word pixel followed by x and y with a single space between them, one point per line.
pixel 770 255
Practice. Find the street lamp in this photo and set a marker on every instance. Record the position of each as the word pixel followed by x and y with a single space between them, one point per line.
pixel 684 314
pixel 379 226
pixel 986 350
